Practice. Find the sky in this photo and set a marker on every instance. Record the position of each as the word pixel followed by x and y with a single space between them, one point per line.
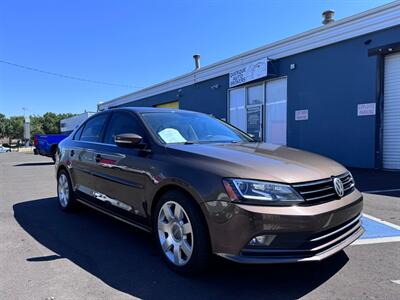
pixel 133 44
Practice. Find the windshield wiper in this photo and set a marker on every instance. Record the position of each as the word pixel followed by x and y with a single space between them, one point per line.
pixel 208 142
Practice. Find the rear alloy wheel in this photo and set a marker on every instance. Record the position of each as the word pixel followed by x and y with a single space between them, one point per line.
pixel 66 197
pixel 181 233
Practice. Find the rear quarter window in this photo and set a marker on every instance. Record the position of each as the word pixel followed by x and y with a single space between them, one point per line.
pixel 93 129
pixel 78 133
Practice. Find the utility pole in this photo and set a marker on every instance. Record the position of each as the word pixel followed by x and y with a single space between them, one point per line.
pixel 27 127
pixel 24 109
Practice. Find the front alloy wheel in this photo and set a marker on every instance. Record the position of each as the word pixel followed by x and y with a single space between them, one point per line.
pixel 175 233
pixel 181 233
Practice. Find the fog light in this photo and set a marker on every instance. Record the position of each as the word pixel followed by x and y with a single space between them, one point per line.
pixel 262 240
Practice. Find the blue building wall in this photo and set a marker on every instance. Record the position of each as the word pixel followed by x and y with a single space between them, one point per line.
pixel 329 81
pixel 208 96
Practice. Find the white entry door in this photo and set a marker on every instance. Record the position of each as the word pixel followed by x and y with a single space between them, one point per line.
pixel 391 112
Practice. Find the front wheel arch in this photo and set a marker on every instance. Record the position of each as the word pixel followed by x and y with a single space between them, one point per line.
pixel 62 168
pixel 165 189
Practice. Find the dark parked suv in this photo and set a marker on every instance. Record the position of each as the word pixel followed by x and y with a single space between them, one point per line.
pixel 204 187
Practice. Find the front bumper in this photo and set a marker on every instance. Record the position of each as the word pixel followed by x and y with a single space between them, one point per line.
pixel 298 233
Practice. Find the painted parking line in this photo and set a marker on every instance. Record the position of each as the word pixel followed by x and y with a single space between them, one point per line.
pixel 378 231
pixel 381 191
pixel 382 221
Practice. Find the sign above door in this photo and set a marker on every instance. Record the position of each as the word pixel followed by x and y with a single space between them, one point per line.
pixel 249 72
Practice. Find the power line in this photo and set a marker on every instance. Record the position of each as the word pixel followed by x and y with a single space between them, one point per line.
pixel 67 76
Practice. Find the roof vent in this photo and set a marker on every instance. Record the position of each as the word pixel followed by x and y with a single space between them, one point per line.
pixel 196 61
pixel 328 16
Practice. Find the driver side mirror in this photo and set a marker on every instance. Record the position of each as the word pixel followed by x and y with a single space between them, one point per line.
pixel 130 140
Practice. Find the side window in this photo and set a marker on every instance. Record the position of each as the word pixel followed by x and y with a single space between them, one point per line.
pixel 92 130
pixel 122 122
pixel 78 133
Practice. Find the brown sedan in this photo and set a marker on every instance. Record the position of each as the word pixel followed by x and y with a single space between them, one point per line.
pixel 204 187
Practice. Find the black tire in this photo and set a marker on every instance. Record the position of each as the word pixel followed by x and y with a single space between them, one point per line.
pixel 53 154
pixel 71 203
pixel 201 254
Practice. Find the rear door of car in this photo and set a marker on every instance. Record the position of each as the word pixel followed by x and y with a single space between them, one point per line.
pixel 82 154
pixel 121 173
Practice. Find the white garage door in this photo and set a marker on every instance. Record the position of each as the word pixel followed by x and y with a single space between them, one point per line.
pixel 391 113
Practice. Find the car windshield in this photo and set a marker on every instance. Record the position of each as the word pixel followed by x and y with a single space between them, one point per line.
pixel 187 127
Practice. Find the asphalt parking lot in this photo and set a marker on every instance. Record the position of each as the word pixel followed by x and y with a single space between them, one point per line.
pixel 46 253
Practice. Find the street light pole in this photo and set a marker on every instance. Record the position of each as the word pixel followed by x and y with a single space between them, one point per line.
pixel 27 127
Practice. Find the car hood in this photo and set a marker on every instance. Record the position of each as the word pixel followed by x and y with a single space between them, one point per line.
pixel 257 161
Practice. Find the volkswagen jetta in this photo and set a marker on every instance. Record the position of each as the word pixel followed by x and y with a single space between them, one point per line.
pixel 203 187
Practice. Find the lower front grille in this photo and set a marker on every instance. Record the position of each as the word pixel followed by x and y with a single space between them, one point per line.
pixel 323 235
pixel 313 245
pixel 323 190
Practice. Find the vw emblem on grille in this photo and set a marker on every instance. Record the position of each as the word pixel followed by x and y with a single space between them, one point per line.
pixel 338 185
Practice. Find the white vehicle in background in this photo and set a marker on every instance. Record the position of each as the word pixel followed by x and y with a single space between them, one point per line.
pixel 69 124
pixel 4 149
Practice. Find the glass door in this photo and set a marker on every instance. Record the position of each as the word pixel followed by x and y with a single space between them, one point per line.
pixel 254 108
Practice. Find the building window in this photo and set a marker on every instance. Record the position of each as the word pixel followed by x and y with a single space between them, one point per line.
pixel 255 95
pixel 270 98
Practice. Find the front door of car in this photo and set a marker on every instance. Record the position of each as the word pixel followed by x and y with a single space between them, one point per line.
pixel 122 173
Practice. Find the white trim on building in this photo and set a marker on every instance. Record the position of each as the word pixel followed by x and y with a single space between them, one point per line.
pixel 379 18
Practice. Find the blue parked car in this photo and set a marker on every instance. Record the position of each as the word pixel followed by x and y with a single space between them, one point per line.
pixel 46 144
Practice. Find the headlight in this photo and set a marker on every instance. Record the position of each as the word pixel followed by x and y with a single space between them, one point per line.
pixel 261 192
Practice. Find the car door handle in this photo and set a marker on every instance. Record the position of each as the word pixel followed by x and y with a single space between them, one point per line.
pixel 98 158
pixel 72 153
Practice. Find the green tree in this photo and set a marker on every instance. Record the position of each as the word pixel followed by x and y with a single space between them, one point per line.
pixel 50 123
pixel 16 128
pixel 36 125
pixel 4 126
